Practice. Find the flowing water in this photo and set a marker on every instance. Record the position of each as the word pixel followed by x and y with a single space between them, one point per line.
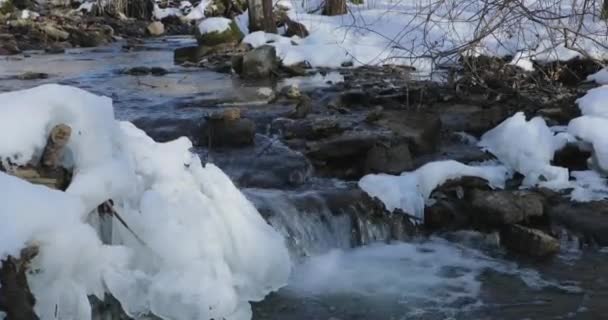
pixel 462 275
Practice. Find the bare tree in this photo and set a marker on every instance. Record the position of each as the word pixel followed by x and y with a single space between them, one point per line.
pixel 335 7
pixel 605 10
pixel 261 16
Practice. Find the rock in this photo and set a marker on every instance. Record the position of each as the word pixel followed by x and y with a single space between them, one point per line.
pixel 259 63
pixel 589 219
pixel 571 157
pixel 57 47
pixel 231 35
pixel 505 207
pixel 8 45
pixel 158 71
pixel 33 76
pixel 528 241
pixel 88 38
pixel 295 28
pixel 291 92
pixel 471 118
pixel 166 129
pixel 54 32
pixel 388 158
pixel 309 129
pixel 302 109
pixel 293 70
pixel 374 115
pixel 265 93
pixel 228 131
pixel 156 28
pixel 347 145
pixel 189 54
pixel 422 130
pixel 144 71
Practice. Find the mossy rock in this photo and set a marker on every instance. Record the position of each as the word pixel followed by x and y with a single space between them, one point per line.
pixel 7 7
pixel 230 35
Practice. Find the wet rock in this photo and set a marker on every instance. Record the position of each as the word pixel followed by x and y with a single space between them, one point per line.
pixel 374 115
pixel 189 54
pixel 259 63
pixel 393 158
pixel 144 71
pixel 156 28
pixel 589 219
pixel 291 92
pixel 227 130
pixel 422 130
pixel 571 157
pixel 57 47
pixel 88 38
pixel 505 207
pixel 167 129
pixel 232 35
pixel 528 241
pixel 302 109
pixel 293 70
pixel 313 128
pixel 471 118
pixel 33 76
pixel 349 144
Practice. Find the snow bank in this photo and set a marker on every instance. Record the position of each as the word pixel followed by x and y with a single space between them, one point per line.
pixel 215 24
pixel 411 32
pixel 528 148
pixel 206 252
pixel 595 102
pixel 600 77
pixel 410 190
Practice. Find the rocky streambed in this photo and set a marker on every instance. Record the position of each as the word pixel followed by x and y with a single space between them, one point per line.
pixel 297 144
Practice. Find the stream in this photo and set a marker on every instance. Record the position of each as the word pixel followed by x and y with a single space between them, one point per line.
pixel 339 274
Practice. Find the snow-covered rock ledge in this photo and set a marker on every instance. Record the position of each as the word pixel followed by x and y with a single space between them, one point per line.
pixel 204 253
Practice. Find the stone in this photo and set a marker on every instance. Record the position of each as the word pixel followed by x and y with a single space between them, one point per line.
pixel 497 208
pixel 291 92
pixel 54 32
pixel 189 54
pixel 349 144
pixel 588 219
pixel 33 76
pixel 422 130
pixel 469 118
pixel 231 35
pixel 158 71
pixel 156 28
pixel 265 93
pixel 227 132
pixel 312 128
pixel 8 45
pixel 88 38
pixel 259 63
pixel 295 28
pixel 389 158
pixel 528 241
pixel 302 109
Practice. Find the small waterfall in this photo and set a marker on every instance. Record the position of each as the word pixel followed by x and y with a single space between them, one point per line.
pixel 314 222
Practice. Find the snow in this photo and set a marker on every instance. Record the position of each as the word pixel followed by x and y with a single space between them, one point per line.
pixel 528 148
pixel 595 102
pixel 199 11
pixel 593 130
pixel 522 61
pixel 412 32
pixel 206 251
pixel 601 77
pixel 28 14
pixel 215 24
pixel 161 13
pixel 410 190
pixel 588 186
pixel 86 6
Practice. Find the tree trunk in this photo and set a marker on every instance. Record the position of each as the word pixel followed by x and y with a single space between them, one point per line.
pixel 260 16
pixel 605 10
pixel 335 7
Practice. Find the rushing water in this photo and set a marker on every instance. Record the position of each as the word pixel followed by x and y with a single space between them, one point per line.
pixel 456 276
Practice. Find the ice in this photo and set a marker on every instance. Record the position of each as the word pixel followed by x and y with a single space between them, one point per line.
pixel 215 24
pixel 600 77
pixel 205 251
pixel 528 148
pixel 411 190
pixel 595 102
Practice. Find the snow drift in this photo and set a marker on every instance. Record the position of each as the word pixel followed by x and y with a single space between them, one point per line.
pixel 206 251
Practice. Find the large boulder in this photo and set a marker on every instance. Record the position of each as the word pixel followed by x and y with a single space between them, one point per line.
pixel 393 158
pixel 217 30
pixel 8 45
pixel 259 63
pixel 528 241
pixel 497 208
pixel 54 32
pixel 422 130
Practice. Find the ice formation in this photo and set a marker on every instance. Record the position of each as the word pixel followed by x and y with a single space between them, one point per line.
pixel 528 148
pixel 600 77
pixel 206 251
pixel 411 190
